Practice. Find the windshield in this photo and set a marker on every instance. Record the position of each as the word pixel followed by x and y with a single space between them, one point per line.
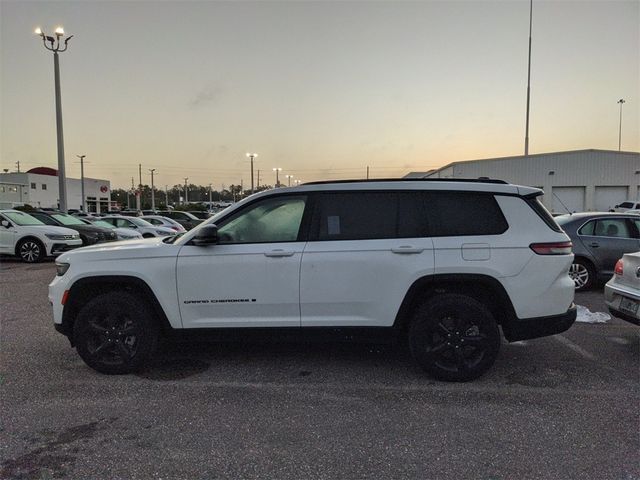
pixel 67 219
pixel 22 219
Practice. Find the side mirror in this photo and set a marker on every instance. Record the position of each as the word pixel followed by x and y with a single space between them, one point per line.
pixel 207 235
pixel 5 224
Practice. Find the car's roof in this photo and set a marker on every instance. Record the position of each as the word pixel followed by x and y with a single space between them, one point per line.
pixel 589 215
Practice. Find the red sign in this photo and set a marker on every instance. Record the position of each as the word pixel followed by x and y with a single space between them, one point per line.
pixel 104 189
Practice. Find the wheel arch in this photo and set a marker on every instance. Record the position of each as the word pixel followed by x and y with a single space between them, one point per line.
pixel 84 289
pixel 483 288
pixel 30 237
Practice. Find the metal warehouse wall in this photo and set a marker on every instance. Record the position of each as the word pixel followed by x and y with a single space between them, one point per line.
pixel 584 180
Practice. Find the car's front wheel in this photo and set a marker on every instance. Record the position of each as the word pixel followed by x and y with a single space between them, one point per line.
pixel 31 250
pixel 454 337
pixel 115 333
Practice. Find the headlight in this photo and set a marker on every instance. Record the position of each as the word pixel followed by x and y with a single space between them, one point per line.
pixel 61 268
pixel 57 236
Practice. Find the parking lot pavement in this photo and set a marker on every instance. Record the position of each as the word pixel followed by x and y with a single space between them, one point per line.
pixel 559 407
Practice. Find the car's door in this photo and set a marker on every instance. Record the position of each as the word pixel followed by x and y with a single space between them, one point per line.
pixel 251 277
pixel 365 250
pixel 607 239
pixel 7 236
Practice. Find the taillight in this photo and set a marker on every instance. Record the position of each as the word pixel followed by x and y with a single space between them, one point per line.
pixel 65 297
pixel 555 248
pixel 618 270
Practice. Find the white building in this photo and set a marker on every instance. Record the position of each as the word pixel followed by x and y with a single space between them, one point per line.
pixel 581 180
pixel 38 187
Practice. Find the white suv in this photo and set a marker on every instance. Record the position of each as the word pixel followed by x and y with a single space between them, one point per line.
pixel 442 264
pixel 31 240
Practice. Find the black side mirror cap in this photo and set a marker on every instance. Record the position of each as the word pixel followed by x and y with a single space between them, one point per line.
pixel 207 235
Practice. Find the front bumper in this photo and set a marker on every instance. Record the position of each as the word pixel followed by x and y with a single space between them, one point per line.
pixel 60 247
pixel 528 328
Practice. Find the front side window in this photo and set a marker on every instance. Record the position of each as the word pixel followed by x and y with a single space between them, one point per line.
pixel 271 220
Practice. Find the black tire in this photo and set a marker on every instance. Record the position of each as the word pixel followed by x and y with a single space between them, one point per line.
pixel 101 328
pixel 31 250
pixel 583 274
pixel 454 337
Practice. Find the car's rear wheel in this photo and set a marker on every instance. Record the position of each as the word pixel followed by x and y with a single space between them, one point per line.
pixel 454 337
pixel 115 333
pixel 30 250
pixel 582 274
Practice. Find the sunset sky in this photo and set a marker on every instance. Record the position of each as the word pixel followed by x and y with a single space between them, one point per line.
pixel 320 89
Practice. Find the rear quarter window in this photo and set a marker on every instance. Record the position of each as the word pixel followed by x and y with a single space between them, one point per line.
pixel 464 213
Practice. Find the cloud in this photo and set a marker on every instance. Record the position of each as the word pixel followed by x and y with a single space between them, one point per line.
pixel 208 95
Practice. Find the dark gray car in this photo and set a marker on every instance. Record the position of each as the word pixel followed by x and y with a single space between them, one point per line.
pixel 599 240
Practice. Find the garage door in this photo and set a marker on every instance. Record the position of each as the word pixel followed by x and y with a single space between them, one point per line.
pixel 568 198
pixel 608 197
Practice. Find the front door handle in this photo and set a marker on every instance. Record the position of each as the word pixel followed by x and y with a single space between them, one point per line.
pixel 407 249
pixel 595 244
pixel 278 253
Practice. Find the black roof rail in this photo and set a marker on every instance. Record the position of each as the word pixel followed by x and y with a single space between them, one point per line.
pixel 468 180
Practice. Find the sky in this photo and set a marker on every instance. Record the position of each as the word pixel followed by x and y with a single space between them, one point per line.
pixel 320 89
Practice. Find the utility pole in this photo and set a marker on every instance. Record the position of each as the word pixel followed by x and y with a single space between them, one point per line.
pixel 153 196
pixel 81 157
pixel 526 133
pixel 621 102
pixel 56 47
pixel 18 165
pixel 252 156
pixel 186 195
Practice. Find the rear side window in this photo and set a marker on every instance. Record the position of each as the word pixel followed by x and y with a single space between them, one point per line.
pixel 464 213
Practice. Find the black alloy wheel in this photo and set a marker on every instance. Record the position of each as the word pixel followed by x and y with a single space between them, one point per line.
pixel 454 337
pixel 115 333
pixel 31 250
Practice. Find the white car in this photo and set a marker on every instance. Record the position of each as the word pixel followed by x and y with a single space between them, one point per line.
pixel 146 229
pixel 448 265
pixel 160 221
pixel 31 240
pixel 122 233
pixel 622 292
pixel 625 206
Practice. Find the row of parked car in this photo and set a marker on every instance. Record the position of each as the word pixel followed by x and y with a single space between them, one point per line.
pixel 38 234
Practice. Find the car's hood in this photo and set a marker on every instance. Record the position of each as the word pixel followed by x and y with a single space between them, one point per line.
pixel 44 229
pixel 122 250
pixel 89 229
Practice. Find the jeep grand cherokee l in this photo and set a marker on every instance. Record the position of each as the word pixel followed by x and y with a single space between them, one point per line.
pixel 447 265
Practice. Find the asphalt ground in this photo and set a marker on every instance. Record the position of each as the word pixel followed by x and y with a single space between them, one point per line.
pixel 561 407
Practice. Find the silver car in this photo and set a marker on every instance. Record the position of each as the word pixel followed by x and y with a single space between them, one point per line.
pixel 622 292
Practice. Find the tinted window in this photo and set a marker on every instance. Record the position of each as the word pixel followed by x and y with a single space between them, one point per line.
pixel 464 213
pixel 356 216
pixel 588 228
pixel 617 227
pixel 271 220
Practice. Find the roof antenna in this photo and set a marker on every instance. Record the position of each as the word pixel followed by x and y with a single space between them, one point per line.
pixel 565 207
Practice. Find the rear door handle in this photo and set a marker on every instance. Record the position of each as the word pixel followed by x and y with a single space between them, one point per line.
pixel 595 244
pixel 407 249
pixel 278 253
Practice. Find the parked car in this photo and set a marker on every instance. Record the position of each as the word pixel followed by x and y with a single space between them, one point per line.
pixel 146 229
pixel 625 206
pixel 122 233
pixel 89 234
pixel 28 238
pixel 187 220
pixel 159 220
pixel 599 240
pixel 442 264
pixel 622 292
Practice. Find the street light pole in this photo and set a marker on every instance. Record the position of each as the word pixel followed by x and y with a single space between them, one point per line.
pixel 252 156
pixel 621 102
pixel 81 157
pixel 289 177
pixel 277 170
pixel 153 196
pixel 526 133
pixel 166 197
pixel 56 47
pixel 185 191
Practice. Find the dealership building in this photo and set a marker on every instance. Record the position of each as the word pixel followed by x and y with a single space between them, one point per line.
pixel 575 181
pixel 38 187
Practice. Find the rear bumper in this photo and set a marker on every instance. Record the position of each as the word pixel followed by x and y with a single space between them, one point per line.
pixel 525 329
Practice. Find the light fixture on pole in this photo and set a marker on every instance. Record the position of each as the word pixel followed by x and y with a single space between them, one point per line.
pixel 277 170
pixel 297 182
pixel 55 46
pixel 252 156
pixel 621 102
pixel 153 195
pixel 289 177
pixel 81 157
